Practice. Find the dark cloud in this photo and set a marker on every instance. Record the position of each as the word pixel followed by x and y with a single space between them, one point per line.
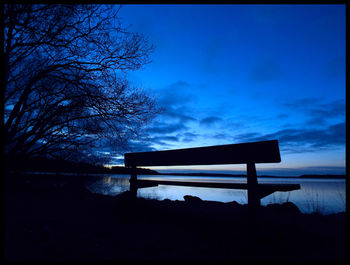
pixel 300 103
pixel 246 137
pixel 221 136
pixel 189 137
pixel 161 139
pixel 164 128
pixel 210 120
pixel 338 132
pixel 175 100
pixel 321 112
pixel 315 107
pixel 177 113
pixel 301 140
pixel 176 94
pixel 282 116
pixel 143 145
pixel 318 113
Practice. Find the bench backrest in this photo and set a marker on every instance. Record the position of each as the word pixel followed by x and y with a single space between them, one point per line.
pixel 254 152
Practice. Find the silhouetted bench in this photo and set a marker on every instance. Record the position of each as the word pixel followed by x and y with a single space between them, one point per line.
pixel 245 153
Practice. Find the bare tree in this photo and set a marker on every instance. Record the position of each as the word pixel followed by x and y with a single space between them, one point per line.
pixel 66 89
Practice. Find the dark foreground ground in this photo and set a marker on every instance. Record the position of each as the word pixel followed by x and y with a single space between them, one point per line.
pixel 55 222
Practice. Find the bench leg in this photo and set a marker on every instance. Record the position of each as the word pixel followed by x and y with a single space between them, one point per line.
pixel 133 182
pixel 253 195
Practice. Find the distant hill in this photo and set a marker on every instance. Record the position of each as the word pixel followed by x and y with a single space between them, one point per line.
pixel 202 174
pixel 326 176
pixel 61 166
pixel 140 171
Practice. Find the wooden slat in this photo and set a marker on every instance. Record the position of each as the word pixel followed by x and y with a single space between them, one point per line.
pixel 255 152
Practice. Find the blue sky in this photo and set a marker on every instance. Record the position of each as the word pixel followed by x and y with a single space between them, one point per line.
pixel 241 73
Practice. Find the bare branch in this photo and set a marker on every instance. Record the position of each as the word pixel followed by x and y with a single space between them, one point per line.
pixel 64 84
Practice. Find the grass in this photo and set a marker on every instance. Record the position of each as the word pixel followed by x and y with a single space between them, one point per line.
pixel 341 195
pixel 279 197
pixel 313 202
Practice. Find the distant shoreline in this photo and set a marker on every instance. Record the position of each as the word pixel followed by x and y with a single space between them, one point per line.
pixel 224 175
pixel 242 175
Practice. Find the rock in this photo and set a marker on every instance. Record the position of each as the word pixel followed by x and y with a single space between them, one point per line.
pixel 284 207
pixel 192 199
pixel 234 204
pixel 291 207
pixel 126 195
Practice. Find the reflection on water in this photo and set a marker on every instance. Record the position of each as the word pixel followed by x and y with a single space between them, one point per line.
pixel 315 195
pixel 110 185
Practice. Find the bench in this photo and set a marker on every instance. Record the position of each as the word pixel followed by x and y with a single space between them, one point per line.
pixel 244 153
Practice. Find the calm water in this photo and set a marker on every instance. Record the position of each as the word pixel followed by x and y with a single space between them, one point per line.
pixel 325 196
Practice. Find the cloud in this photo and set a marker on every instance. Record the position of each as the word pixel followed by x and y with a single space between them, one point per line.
pixel 176 100
pixel 221 136
pixel 176 94
pixel 302 140
pixel 314 107
pixel 300 103
pixel 188 137
pixel 164 128
pixel 161 139
pixel 318 113
pixel 177 113
pixel 282 116
pixel 141 145
pixel 246 137
pixel 330 110
pixel 210 121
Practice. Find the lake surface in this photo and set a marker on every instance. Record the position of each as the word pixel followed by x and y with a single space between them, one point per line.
pixel 325 196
